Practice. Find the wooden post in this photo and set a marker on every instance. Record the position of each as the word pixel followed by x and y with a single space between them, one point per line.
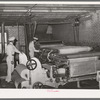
pixel 26 41
pixel 77 32
pixel 74 32
pixel 99 84
pixel 30 82
pixel 78 84
pixel 98 78
pixel 18 36
pixel 35 26
pixel 3 37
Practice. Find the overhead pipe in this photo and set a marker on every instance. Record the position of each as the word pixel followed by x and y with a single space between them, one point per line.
pixel 52 23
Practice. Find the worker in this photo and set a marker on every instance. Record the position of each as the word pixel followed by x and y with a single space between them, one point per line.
pixel 10 51
pixel 33 47
pixel 16 55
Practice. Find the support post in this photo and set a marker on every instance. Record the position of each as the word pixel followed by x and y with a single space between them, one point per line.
pixel 98 78
pixel 26 40
pixel 35 26
pixel 18 36
pixel 3 37
pixel 78 84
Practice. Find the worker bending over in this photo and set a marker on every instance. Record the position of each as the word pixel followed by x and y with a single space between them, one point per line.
pixel 10 51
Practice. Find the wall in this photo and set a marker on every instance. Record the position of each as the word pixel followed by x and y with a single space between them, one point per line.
pixel 89 30
pixel 18 33
pixel 64 32
pixel 41 33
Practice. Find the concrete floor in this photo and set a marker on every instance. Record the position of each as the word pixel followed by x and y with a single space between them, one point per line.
pixel 87 84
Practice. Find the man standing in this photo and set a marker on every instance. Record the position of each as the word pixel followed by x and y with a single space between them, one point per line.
pixel 32 47
pixel 10 51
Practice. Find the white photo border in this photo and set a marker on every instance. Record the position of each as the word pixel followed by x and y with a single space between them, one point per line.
pixel 49 93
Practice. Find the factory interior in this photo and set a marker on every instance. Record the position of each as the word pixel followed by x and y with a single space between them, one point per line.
pixel 69 37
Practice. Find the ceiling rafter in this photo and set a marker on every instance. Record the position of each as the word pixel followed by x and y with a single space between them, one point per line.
pixel 42 12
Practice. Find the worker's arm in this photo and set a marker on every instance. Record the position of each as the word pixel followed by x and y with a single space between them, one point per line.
pixel 34 48
pixel 16 50
pixel 31 51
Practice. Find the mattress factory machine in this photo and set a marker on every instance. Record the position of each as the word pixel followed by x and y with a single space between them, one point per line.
pixel 36 73
pixel 82 62
pixel 59 64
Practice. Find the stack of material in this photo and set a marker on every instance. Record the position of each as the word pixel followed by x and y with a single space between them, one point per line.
pixel 68 49
pixel 63 49
pixel 22 58
pixel 51 45
pixel 22 71
pixel 72 49
pixel 20 74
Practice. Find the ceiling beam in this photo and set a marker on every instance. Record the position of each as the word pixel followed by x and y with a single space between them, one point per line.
pixel 49 10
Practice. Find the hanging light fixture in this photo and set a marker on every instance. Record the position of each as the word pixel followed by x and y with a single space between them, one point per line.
pixel 77 22
pixel 49 29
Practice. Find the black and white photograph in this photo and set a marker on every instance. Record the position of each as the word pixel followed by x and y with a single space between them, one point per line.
pixel 49 46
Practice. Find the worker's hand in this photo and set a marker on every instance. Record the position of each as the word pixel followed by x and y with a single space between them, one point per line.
pixel 12 62
pixel 40 51
pixel 37 51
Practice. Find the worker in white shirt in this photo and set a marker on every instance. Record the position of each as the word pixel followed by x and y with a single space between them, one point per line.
pixel 10 50
pixel 32 48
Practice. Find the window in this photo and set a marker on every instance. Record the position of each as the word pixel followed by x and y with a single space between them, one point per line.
pixel 5 35
pixel 0 44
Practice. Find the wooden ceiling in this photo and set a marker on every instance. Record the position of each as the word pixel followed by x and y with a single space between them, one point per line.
pixel 22 13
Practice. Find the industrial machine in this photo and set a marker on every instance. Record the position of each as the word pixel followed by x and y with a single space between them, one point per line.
pixel 35 74
pixel 57 65
pixel 82 62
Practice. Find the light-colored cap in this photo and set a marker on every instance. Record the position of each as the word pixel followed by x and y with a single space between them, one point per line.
pixel 35 38
pixel 12 38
